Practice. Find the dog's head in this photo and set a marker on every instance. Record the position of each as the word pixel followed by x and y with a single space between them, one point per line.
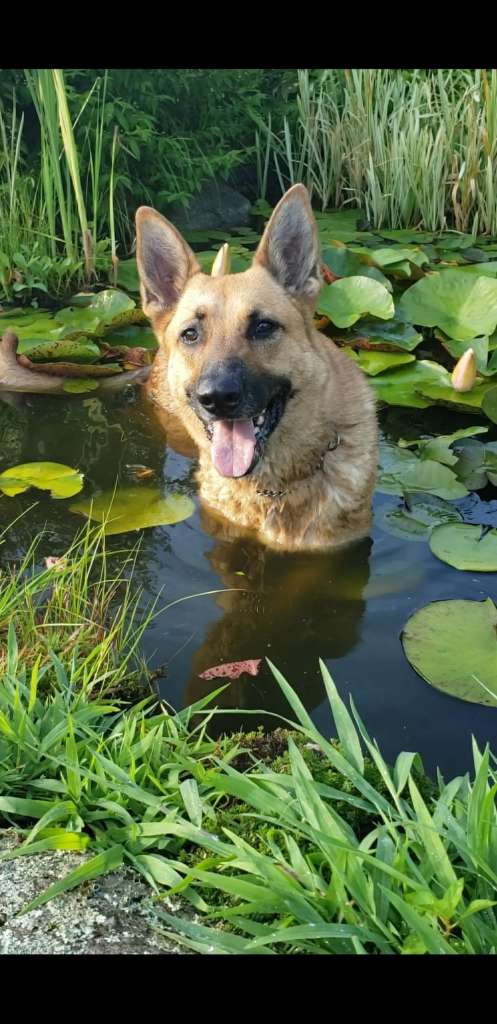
pixel 235 342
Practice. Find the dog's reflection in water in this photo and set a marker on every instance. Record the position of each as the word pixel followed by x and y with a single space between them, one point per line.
pixel 290 608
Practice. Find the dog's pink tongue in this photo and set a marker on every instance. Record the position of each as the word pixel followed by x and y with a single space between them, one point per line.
pixel 233 445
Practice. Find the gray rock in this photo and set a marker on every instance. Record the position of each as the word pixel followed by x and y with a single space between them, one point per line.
pixel 216 206
pixel 114 914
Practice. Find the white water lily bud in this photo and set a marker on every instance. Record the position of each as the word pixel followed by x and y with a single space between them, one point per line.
pixel 464 372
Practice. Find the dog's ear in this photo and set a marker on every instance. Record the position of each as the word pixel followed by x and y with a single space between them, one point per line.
pixel 165 261
pixel 289 247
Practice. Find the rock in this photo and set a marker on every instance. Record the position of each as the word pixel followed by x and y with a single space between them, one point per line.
pixel 217 206
pixel 112 914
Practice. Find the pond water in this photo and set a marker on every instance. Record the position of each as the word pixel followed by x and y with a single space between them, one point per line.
pixel 347 608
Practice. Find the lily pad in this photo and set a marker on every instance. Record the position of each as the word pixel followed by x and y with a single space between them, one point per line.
pixel 453 646
pixel 406 386
pixel 127 275
pixel 422 476
pixel 134 336
pixel 80 385
pixel 416 517
pixel 440 448
pixel 74 351
pixel 62 481
pixel 135 508
pixel 346 300
pixel 392 335
pixel 465 547
pixel 345 263
pixel 390 255
pixel 458 348
pixel 489 404
pixel 373 363
pixel 461 304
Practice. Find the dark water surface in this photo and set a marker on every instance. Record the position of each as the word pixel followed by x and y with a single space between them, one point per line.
pixel 347 608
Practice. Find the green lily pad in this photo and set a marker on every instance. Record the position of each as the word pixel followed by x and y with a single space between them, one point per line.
pixel 111 304
pixel 404 386
pixel 465 401
pixel 406 236
pixel 465 547
pixel 73 350
pixel 489 404
pixel 340 226
pixel 134 336
pixel 470 465
pixel 135 508
pixel 422 476
pixel 77 320
pixel 392 334
pixel 62 481
pixel 453 240
pixel 453 646
pixel 415 518
pixel 345 263
pixel 393 254
pixel 346 300
pixel 440 448
pixel 458 348
pixel 461 304
pixel 373 363
pixel 80 385
pixel 127 275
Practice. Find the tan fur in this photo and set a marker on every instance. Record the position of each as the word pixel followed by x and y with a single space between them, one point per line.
pixel 328 494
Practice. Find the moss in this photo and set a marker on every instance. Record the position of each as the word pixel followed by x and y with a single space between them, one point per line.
pixel 272 750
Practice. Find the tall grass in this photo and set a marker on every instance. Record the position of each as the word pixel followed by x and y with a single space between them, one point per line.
pixel 409 150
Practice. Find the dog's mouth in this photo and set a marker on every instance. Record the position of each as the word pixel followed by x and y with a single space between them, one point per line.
pixel 238 445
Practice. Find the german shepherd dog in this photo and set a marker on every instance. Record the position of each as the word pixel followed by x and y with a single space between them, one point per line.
pixel 284 422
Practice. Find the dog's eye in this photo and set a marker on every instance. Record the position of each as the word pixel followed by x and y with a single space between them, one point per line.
pixel 263 329
pixel 190 336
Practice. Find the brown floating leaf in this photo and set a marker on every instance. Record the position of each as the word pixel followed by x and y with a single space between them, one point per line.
pixel 71 369
pixel 233 669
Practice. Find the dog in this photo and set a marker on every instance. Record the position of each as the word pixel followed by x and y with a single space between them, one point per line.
pixel 284 422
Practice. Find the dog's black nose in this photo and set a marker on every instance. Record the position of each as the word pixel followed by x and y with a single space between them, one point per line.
pixel 220 389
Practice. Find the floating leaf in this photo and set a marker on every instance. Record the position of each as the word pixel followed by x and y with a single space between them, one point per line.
pixel 80 385
pixel 458 348
pixel 391 255
pixel 233 669
pixel 345 301
pixel 62 481
pixel 444 394
pixel 453 646
pixel 407 385
pixel 74 321
pixel 110 305
pixel 392 335
pixel 373 363
pixel 414 520
pixel 489 404
pixel 47 350
pixel 344 263
pixel 462 305
pixel 440 448
pixel 134 336
pixel 424 476
pixel 406 236
pixel 135 508
pixel 465 547
pixel 85 371
pixel 127 275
